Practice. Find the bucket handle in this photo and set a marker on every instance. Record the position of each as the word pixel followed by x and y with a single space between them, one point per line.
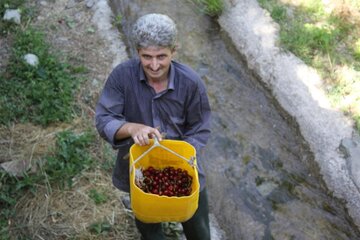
pixel 190 161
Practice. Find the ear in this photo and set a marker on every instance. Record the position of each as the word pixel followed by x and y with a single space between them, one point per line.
pixel 173 51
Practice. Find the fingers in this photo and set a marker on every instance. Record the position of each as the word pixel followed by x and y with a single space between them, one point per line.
pixel 156 134
pixel 141 139
pixel 142 136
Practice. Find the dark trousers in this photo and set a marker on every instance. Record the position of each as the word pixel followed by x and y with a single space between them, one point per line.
pixel 196 228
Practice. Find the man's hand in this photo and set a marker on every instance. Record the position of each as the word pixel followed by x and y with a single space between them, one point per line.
pixel 140 133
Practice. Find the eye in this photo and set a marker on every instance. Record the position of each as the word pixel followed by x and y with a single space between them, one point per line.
pixel 146 57
pixel 161 57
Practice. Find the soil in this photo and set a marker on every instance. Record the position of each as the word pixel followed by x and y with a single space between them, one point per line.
pixel 73 31
pixel 82 34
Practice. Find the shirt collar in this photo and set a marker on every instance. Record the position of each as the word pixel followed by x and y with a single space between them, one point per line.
pixel 171 75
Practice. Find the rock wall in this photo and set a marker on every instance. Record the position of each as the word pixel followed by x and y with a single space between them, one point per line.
pixel 298 89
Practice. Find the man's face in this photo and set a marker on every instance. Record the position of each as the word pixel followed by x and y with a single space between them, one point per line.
pixel 156 62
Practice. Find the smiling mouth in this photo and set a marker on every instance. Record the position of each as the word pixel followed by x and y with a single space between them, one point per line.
pixel 154 71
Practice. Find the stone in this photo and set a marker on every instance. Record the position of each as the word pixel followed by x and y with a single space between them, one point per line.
pixel 350 147
pixel 12 15
pixel 15 167
pixel 31 59
pixel 90 3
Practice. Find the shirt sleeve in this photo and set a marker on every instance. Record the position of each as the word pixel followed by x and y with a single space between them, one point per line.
pixel 197 130
pixel 109 109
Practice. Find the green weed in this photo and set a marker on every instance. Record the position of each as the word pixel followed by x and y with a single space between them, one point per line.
pixel 357 50
pixel 97 197
pixel 246 159
pixel 213 8
pixel 357 121
pixel 40 94
pixel 117 21
pixel 108 158
pixel 27 13
pixel 278 13
pixel 69 158
pixel 308 40
pixel 100 228
pixel 327 41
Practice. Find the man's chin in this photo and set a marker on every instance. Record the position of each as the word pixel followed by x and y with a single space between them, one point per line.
pixel 155 75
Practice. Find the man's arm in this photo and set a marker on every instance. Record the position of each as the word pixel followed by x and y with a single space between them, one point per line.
pixel 197 130
pixel 110 121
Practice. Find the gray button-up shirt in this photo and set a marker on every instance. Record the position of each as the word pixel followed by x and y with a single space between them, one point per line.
pixel 182 111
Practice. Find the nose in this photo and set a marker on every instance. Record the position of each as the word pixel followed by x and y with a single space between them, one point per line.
pixel 154 64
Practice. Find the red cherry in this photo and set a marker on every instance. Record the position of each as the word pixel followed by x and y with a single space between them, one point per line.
pixel 167 181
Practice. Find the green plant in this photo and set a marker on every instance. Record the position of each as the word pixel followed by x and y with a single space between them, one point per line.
pixel 71 156
pixel 117 20
pixel 246 159
pixel 97 197
pixel 308 40
pixel 357 50
pixel 107 158
pixel 12 188
pixel 10 4
pixel 41 94
pixel 327 41
pixel 357 121
pixel 100 227
pixel 27 13
pixel 278 13
pixel 213 8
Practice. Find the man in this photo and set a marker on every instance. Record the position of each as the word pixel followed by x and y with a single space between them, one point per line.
pixel 150 95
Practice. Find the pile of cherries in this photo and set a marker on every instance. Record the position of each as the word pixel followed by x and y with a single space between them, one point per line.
pixel 168 181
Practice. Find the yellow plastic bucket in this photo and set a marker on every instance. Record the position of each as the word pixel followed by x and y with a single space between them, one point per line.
pixel 152 208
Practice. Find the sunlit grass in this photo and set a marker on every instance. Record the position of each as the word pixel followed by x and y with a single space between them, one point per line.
pixel 357 50
pixel 326 36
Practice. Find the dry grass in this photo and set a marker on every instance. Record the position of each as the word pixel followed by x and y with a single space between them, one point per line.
pixel 59 214
pixel 50 212
pixel 53 213
pixel 22 144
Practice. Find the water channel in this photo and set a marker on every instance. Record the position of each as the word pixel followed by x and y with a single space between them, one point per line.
pixel 263 182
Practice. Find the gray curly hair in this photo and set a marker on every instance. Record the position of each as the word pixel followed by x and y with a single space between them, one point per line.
pixel 154 30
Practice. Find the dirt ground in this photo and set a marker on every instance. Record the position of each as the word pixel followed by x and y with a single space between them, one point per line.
pixel 74 33
pixel 71 32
